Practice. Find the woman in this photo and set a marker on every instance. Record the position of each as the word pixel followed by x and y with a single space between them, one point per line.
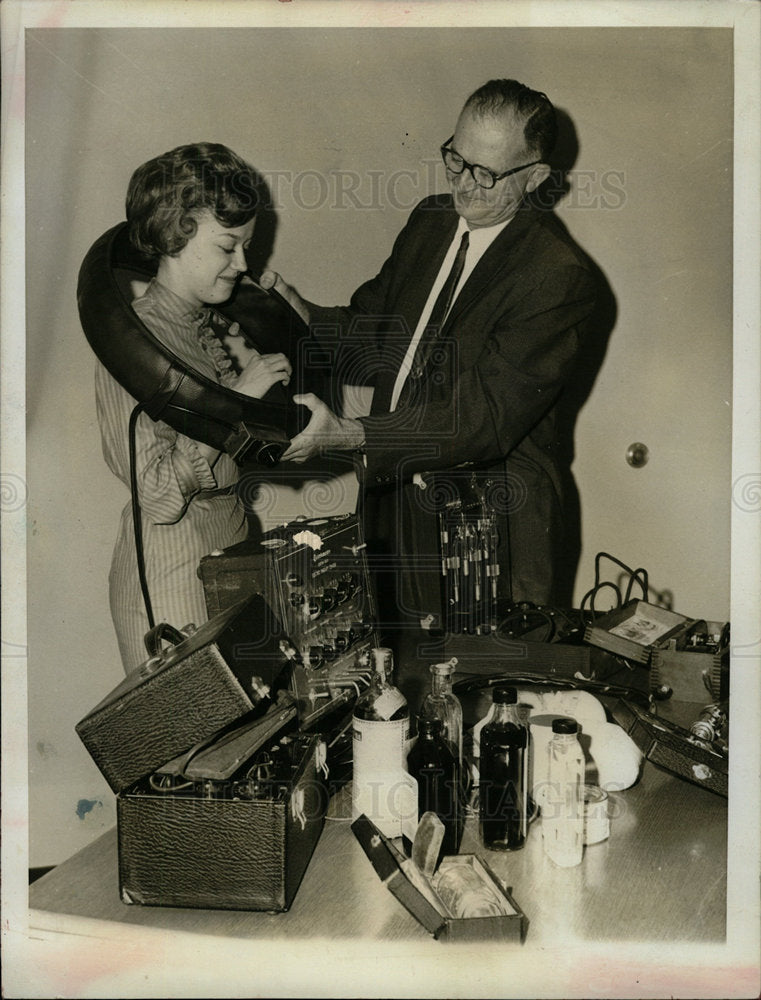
pixel 193 209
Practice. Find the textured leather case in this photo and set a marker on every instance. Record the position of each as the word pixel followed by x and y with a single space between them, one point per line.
pixel 212 848
pixel 229 574
pixel 186 693
pixel 675 748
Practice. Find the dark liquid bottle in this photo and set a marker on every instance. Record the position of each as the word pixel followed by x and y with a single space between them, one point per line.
pixel 435 768
pixel 503 791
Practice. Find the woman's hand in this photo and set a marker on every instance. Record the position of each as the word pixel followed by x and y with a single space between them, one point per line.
pixel 261 373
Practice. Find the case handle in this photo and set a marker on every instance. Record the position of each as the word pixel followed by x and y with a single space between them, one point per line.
pixel 163 630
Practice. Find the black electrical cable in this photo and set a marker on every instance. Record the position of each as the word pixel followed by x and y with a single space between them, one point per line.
pixel 643 582
pixel 530 618
pixel 591 594
pixel 137 516
pixel 639 575
pixel 526 618
pixel 467 684
pixel 633 573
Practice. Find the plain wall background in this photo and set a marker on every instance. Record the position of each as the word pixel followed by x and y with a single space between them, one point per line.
pixel 347 123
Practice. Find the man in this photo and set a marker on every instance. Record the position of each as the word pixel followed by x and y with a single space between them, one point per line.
pixel 465 402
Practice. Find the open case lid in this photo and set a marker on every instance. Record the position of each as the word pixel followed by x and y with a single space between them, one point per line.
pixel 231 665
pixel 677 749
pixel 385 860
pixel 635 628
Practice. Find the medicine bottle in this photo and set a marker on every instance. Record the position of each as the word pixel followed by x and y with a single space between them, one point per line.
pixel 380 732
pixel 431 762
pixel 442 703
pixel 563 799
pixel 503 790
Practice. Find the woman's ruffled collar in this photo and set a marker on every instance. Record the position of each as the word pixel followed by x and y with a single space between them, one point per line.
pixel 209 326
pixel 208 337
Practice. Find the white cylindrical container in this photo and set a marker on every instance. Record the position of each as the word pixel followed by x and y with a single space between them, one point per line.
pixel 380 729
pixel 378 770
pixel 596 821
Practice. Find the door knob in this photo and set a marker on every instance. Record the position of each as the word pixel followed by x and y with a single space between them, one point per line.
pixel 637 455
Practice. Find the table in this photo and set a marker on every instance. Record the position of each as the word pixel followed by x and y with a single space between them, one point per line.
pixel 657 886
pixel 661 875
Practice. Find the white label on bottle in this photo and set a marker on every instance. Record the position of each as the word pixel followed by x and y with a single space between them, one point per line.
pixel 380 781
pixel 388 701
pixel 563 805
pixel 407 804
pixel 390 800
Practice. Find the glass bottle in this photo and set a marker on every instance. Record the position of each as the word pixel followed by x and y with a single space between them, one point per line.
pixel 503 794
pixel 563 800
pixel 432 763
pixel 442 703
pixel 380 732
pixel 382 701
pixel 474 745
pixel 464 892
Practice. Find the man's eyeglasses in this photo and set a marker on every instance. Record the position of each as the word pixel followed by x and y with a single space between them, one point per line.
pixel 484 177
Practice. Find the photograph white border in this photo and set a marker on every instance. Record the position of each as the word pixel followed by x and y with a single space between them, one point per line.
pixel 36 964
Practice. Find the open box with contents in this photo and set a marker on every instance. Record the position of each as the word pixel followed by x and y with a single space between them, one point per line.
pixel 462 900
pixel 637 630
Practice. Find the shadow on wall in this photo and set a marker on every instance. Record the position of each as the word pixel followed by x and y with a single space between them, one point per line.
pixel 582 378
pixel 265 231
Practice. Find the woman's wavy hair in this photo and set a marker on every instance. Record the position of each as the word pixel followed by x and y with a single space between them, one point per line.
pixel 167 194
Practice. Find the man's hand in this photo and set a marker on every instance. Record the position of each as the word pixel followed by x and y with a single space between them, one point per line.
pixel 271 279
pixel 325 431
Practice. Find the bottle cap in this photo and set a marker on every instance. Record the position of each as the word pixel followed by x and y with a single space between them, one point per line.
pixel 444 669
pixel 505 696
pixel 565 726
pixel 383 658
pixel 427 726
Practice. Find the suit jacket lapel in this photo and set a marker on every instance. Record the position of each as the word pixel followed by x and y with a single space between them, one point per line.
pixel 488 270
pixel 491 264
pixel 422 268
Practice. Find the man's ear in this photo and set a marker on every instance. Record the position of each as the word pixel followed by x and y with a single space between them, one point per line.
pixel 538 175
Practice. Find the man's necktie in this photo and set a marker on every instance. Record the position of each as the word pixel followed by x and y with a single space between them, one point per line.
pixel 436 320
pixel 444 300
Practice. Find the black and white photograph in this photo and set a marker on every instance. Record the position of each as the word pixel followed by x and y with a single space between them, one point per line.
pixel 381 499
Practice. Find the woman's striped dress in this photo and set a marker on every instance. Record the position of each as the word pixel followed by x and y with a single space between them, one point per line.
pixel 184 516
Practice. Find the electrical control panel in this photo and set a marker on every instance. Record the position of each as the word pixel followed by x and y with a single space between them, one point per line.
pixel 314 575
pixel 326 605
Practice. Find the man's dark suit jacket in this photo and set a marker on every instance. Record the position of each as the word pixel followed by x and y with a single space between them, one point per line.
pixel 483 401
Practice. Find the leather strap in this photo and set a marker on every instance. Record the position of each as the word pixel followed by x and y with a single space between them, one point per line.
pixel 167 388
